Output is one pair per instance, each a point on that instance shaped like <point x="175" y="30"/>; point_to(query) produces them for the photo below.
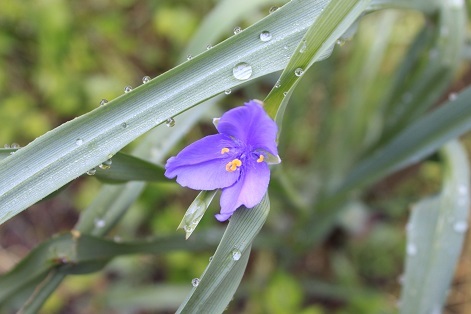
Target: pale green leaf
<point x="435" y="236"/>
<point x="223" y="274"/>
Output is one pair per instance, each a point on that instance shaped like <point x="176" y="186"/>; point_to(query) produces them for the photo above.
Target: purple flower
<point x="235" y="160"/>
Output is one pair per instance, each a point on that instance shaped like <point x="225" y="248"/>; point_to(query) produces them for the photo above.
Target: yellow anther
<point x="232" y="166"/>
<point x="261" y="158"/>
<point x="224" y="150"/>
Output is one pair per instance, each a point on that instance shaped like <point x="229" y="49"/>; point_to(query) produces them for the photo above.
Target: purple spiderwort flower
<point x="235" y="160"/>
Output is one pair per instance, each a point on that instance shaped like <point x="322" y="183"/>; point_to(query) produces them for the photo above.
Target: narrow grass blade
<point x="427" y="69"/>
<point x="196" y="211"/>
<point x="417" y="141"/>
<point x="435" y="236"/>
<point x="322" y="35"/>
<point x="222" y="276"/>
<point x="126" y="167"/>
<point x="77" y="253"/>
<point x="127" y="298"/>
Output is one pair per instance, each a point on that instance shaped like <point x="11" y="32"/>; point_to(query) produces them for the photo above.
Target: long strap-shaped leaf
<point x="417" y="141"/>
<point x="76" y="253"/>
<point x="70" y="150"/>
<point x="223" y="274"/>
<point x="435" y="238"/>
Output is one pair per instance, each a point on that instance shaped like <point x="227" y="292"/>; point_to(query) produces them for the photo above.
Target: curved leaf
<point x="435" y="236"/>
<point x="126" y="167"/>
<point x="223" y="274"/>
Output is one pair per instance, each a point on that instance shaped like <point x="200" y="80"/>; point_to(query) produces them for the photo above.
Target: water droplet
<point x="170" y="122"/>
<point x="265" y="36"/>
<point x="227" y="91"/>
<point x="298" y="72"/>
<point x="273" y="9"/>
<point x="127" y="89"/>
<point x="242" y="71"/>
<point x="15" y="145"/>
<point x="209" y="47"/>
<point x="452" y="96"/>
<point x="285" y="93"/>
<point x="285" y="47"/>
<point x="341" y="42"/>
<point x="100" y="223"/>
<point x="124" y="125"/>
<point x="460" y="226"/>
<point x="146" y="79"/>
<point x="106" y="165"/>
<point x="303" y="46"/>
<point x="6" y="146"/>
<point x="237" y="30"/>
<point x="103" y="102"/>
<point x="236" y="254"/>
<point x="91" y="172"/>
<point x="211" y="258"/>
<point x="411" y="249"/>
<point x="78" y="141"/>
<point x="189" y="57"/>
<point x="195" y="282"/>
<point x="277" y="84"/>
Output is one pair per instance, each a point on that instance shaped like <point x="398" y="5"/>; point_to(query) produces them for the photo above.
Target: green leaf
<point x="196" y="211"/>
<point x="127" y="298"/>
<point x="125" y="168"/>
<point x="77" y="146"/>
<point x="223" y="274"/>
<point x="77" y="253"/>
<point x="318" y="42"/>
<point x="417" y="141"/>
<point x="414" y="143"/>
<point x="427" y="70"/>
<point x="435" y="236"/>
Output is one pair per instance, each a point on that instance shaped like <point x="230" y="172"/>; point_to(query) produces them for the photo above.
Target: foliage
<point x="364" y="97"/>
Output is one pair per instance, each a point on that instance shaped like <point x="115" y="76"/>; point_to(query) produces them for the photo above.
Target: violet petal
<point x="206" y="149"/>
<point x="248" y="191"/>
<point x="251" y="125"/>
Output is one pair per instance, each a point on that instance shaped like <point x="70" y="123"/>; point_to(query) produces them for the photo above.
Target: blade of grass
<point x="77" y="253"/>
<point x="321" y="36"/>
<point x="435" y="236"/>
<point x="126" y="167"/>
<point x="222" y="276"/>
<point x="416" y="142"/>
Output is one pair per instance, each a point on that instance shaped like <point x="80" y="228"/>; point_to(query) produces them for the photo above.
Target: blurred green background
<point x="59" y="58"/>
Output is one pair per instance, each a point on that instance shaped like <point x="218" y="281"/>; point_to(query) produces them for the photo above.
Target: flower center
<point x="232" y="166"/>
<point x="261" y="158"/>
